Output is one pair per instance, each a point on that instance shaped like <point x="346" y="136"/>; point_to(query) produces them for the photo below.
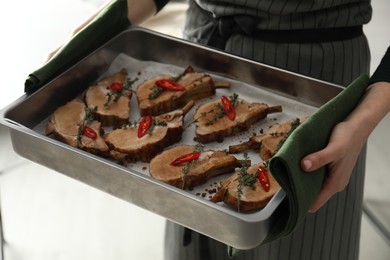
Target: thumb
<point x="319" y="159"/>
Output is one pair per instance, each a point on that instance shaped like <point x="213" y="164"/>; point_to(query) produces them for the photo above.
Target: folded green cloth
<point x="301" y="187"/>
<point x="111" y="21"/>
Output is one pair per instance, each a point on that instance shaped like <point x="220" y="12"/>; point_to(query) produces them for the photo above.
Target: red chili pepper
<point x="116" y="86"/>
<point x="144" y="126"/>
<point x="89" y="132"/>
<point x="228" y="107"/>
<point x="263" y="178"/>
<point x="169" y="85"/>
<point x="186" y="158"/>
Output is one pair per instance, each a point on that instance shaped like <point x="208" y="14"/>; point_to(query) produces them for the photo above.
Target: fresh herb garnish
<point x="186" y="168"/>
<point x="294" y="125"/>
<point x="218" y="111"/>
<point x="234" y="99"/>
<point x="155" y="123"/>
<point x="244" y="178"/>
<point x="156" y="90"/>
<point x="115" y="95"/>
<point x="88" y="117"/>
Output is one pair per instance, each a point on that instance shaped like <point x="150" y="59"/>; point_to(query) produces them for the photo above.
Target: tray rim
<point x="17" y="128"/>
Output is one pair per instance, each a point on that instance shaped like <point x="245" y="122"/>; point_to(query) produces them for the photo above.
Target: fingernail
<point x="307" y="164"/>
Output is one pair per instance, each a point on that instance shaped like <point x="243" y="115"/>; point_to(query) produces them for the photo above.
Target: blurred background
<point x="47" y="215"/>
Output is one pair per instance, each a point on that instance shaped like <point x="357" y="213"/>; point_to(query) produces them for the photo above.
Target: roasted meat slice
<point x="246" y="193"/>
<point x="268" y="143"/>
<point x="111" y="97"/>
<point x="67" y="124"/>
<point x="155" y="100"/>
<point x="190" y="173"/>
<point x="158" y="132"/>
<point x="213" y="124"/>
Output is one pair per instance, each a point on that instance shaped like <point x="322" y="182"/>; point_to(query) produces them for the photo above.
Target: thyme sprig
<point x="197" y="148"/>
<point x="244" y="178"/>
<point x="157" y="91"/>
<point x="234" y="99"/>
<point x="294" y="124"/>
<point x="277" y="134"/>
<point x="178" y="77"/>
<point x="116" y="95"/>
<point x="218" y="111"/>
<point x="186" y="168"/>
<point x="88" y="118"/>
<point x="156" y="122"/>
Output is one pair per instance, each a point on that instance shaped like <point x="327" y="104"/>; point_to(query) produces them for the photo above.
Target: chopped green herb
<point x="244" y="178"/>
<point x="88" y="117"/>
<point x="186" y="168"/>
<point x="294" y="125"/>
<point x="156" y="91"/>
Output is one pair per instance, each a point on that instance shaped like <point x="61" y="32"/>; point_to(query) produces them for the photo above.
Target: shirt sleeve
<point x="382" y="73"/>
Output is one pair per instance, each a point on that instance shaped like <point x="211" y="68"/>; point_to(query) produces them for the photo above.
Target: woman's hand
<point x="346" y="142"/>
<point x="138" y="12"/>
<point x="340" y="155"/>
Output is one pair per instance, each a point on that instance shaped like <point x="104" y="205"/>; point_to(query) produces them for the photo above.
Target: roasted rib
<point x="213" y="125"/>
<point x="111" y="97"/>
<point x="243" y="197"/>
<point x="208" y="165"/>
<point x="66" y="125"/>
<point x="153" y="100"/>
<point x="166" y="130"/>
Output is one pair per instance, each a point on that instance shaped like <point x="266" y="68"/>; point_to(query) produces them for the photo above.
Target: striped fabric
<point x="339" y="62"/>
<point x="334" y="231"/>
<point x="294" y="14"/>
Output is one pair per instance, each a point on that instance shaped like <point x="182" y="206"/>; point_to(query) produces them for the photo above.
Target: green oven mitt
<point x="312" y="135"/>
<point x="111" y="21"/>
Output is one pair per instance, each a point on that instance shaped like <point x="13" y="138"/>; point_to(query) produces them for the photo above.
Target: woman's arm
<point x="138" y="12"/>
<point x="349" y="136"/>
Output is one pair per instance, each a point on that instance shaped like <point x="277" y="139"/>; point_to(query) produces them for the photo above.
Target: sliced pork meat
<point x="72" y="124"/>
<point x="111" y="98"/>
<point x="165" y="93"/>
<point x="268" y="143"/>
<point x="149" y="136"/>
<point x="190" y="173"/>
<point x="213" y="123"/>
<point x="246" y="194"/>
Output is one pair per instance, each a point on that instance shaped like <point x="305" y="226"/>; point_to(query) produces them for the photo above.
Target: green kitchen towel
<point x="312" y="135"/>
<point x="301" y="187"/>
<point x="111" y="21"/>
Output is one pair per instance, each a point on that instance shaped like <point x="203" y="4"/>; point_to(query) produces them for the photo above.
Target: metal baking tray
<point x="140" y="49"/>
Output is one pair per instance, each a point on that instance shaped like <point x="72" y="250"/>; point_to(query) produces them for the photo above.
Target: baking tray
<point x="140" y="49"/>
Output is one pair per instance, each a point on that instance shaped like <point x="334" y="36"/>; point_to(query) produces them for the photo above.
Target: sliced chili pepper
<point x="228" y="107"/>
<point x="186" y="158"/>
<point x="169" y="85"/>
<point x="144" y="125"/>
<point x="89" y="132"/>
<point x="116" y="86"/>
<point x="263" y="178"/>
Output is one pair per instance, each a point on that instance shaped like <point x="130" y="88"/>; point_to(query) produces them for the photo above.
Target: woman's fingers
<point x="339" y="156"/>
<point x="321" y="158"/>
